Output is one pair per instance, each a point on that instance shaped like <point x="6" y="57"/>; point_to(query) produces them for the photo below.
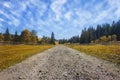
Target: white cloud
<point x="10" y="23"/>
<point x="7" y="4"/>
<point x="68" y="15"/>
<point x="83" y="17"/>
<point x="56" y="7"/>
<point x="98" y="13"/>
<point x="117" y="12"/>
<point x="15" y="13"/>
<point x="1" y="20"/>
<point x="100" y="16"/>
<point x="111" y="13"/>
<point x="3" y="13"/>
<point x="60" y="16"/>
<point x="115" y="4"/>
<point x="41" y="9"/>
<point x="14" y="21"/>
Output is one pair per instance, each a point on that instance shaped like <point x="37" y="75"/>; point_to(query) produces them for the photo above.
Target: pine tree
<point x="7" y="35"/>
<point x="16" y="37"/>
<point x="104" y="31"/>
<point x="52" y="39"/>
<point x="33" y="33"/>
<point x="118" y="30"/>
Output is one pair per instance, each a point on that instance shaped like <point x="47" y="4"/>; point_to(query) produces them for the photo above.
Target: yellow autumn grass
<point x="12" y="54"/>
<point x="107" y="52"/>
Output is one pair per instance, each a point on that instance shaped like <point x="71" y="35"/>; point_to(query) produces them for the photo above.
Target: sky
<point x="65" y="18"/>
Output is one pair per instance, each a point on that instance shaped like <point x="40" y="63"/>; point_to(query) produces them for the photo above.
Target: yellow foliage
<point x="56" y="42"/>
<point x="104" y="39"/>
<point x="25" y="36"/>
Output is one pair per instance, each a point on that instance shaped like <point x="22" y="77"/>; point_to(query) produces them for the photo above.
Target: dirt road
<point x="61" y="63"/>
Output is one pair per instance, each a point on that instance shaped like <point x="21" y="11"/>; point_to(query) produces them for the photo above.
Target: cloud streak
<point x="64" y="17"/>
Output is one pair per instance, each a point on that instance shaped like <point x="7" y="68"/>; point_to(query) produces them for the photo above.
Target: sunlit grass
<point x="107" y="52"/>
<point x="10" y="55"/>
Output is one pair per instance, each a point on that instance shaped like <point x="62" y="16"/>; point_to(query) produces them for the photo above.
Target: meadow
<point x="12" y="54"/>
<point x="107" y="52"/>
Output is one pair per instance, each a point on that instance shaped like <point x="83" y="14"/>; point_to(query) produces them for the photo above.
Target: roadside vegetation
<point x="27" y="43"/>
<point x="107" y="52"/>
<point x="102" y="41"/>
<point x="15" y="48"/>
<point x="26" y="37"/>
<point x="12" y="54"/>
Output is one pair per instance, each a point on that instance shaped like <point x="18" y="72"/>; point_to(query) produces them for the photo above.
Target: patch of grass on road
<point x="107" y="52"/>
<point x="12" y="54"/>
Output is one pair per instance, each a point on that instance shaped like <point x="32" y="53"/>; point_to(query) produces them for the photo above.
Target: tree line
<point x="105" y="33"/>
<point x="26" y="37"/>
<point x="102" y="33"/>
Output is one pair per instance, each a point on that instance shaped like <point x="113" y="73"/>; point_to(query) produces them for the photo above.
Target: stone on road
<point x="61" y="63"/>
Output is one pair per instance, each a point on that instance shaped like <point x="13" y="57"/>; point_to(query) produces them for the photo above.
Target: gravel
<point x="62" y="63"/>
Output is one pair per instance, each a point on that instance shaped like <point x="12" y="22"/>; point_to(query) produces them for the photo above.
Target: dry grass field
<point x="12" y="54"/>
<point x="107" y="52"/>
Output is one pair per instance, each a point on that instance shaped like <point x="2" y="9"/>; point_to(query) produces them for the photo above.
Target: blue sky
<point x="63" y="17"/>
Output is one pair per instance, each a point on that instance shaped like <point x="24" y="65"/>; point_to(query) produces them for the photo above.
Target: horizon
<point x="66" y="18"/>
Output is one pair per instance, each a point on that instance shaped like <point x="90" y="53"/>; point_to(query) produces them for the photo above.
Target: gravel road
<point x="61" y="63"/>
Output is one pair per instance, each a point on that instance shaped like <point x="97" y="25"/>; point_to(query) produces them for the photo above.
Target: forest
<point x="100" y="34"/>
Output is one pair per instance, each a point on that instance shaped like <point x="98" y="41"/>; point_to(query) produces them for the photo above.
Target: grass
<point x="110" y="53"/>
<point x="12" y="54"/>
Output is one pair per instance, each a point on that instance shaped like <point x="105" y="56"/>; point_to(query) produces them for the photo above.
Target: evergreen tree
<point x="82" y="38"/>
<point x="105" y="31"/>
<point x="63" y="41"/>
<point x="33" y="33"/>
<point x="7" y="35"/>
<point x="118" y="30"/>
<point x="52" y="39"/>
<point x="74" y="39"/>
<point x="98" y="31"/>
<point x="16" y="37"/>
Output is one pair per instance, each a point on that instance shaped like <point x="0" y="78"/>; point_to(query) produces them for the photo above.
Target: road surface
<point x="61" y="63"/>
